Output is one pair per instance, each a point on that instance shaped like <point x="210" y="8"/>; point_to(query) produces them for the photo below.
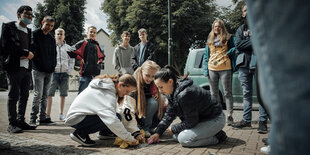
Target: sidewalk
<point x="55" y="139"/>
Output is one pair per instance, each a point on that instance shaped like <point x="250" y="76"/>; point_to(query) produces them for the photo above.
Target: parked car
<point x="193" y="66"/>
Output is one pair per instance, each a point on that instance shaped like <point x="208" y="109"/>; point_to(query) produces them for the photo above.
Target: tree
<point x="68" y="15"/>
<point x="191" y="23"/>
<point x="232" y="17"/>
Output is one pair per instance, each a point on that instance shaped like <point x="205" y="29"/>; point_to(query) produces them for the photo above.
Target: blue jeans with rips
<point x="246" y="80"/>
<point x="42" y="83"/>
<point x="280" y="40"/>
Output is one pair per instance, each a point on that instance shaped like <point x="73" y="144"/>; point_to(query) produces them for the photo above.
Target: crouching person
<point x="94" y="109"/>
<point x="202" y="117"/>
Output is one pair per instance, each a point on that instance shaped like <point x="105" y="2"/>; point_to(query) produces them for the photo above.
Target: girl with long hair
<point x="218" y="64"/>
<point x="149" y="100"/>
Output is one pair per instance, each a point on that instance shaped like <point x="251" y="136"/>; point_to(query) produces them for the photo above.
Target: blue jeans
<point x="84" y="81"/>
<point x="42" y="82"/>
<point x="281" y="44"/>
<point x="246" y="80"/>
<point x="60" y="80"/>
<point x="226" y="81"/>
<point x="151" y="109"/>
<point x="202" y="134"/>
<point x="19" y="90"/>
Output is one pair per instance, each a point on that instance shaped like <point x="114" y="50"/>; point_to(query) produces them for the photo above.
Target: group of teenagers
<point x="142" y="96"/>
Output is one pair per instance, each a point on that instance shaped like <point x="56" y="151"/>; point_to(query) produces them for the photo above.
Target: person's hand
<point x="153" y="139"/>
<point x="82" y="61"/>
<point x="30" y="55"/>
<point x="170" y="131"/>
<point x="155" y="96"/>
<point x="140" y="138"/>
<point x="98" y="62"/>
<point x="134" y="143"/>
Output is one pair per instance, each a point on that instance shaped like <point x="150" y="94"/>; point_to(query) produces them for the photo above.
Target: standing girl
<point x="202" y="118"/>
<point x="217" y="64"/>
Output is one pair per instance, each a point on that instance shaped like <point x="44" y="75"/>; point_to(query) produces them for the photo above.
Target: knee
<point x="186" y="139"/>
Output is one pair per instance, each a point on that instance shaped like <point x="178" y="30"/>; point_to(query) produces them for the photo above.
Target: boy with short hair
<point x="91" y="56"/>
<point x="15" y="47"/>
<point x="63" y="68"/>
<point x="122" y="54"/>
<point x="44" y="64"/>
<point x="145" y="50"/>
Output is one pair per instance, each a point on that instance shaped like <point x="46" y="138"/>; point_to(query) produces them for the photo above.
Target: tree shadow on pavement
<point x="47" y="149"/>
<point x="62" y="131"/>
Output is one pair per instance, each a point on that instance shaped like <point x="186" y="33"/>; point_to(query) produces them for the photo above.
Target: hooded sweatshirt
<point x="99" y="98"/>
<point x="122" y="59"/>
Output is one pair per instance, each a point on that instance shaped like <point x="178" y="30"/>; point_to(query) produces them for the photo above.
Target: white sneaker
<point x="265" y="149"/>
<point x="61" y="117"/>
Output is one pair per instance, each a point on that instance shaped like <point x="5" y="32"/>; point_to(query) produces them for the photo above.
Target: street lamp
<point x="170" y="53"/>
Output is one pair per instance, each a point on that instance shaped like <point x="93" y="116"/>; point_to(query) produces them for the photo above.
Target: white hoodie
<point x="99" y="98"/>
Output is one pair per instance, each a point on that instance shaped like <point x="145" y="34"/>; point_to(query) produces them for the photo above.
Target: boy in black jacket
<point x="15" y="50"/>
<point x="44" y="64"/>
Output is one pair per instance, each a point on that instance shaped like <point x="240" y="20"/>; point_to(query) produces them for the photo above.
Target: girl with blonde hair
<point x="149" y="100"/>
<point x="219" y="63"/>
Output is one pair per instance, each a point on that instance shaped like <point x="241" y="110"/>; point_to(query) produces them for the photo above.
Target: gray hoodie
<point x="122" y="59"/>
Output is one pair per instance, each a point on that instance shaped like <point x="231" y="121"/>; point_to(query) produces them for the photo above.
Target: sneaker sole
<point x="105" y="137"/>
<point x="262" y="132"/>
<point x="47" y="123"/>
<point x="79" y="141"/>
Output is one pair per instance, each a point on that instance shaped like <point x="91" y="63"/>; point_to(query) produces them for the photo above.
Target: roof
<point x="103" y="32"/>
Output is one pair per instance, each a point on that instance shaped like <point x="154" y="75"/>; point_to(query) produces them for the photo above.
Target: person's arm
<point x="152" y="52"/>
<point x="115" y="61"/>
<point x="134" y="60"/>
<point x="109" y="118"/>
<point x="205" y="61"/>
<point x="190" y="112"/>
<point x="168" y="118"/>
<point x="242" y="44"/>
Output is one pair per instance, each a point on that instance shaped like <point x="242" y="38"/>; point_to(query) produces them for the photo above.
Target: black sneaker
<point x="14" y="129"/>
<point x="221" y="136"/>
<point x="46" y="121"/>
<point x="265" y="141"/>
<point x="24" y="126"/>
<point x="32" y="123"/>
<point x="242" y="124"/>
<point x="262" y="127"/>
<point x="230" y="120"/>
<point x="103" y="136"/>
<point x="85" y="141"/>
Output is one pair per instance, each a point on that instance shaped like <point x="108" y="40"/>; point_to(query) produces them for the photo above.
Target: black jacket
<point x="243" y="45"/>
<point x="44" y="51"/>
<point x="192" y="104"/>
<point x="11" y="49"/>
<point x="149" y="54"/>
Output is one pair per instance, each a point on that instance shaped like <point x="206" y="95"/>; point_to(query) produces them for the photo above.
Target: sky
<point x="94" y="16"/>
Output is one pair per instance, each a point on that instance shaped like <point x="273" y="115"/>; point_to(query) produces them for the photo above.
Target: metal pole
<point x="170" y="53"/>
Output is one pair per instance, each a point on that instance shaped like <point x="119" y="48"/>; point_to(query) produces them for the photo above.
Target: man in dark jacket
<point x="145" y="50"/>
<point x="15" y="50"/>
<point x="44" y="64"/>
<point x="246" y="75"/>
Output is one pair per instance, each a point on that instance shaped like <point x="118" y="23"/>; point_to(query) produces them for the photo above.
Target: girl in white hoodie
<point x="94" y="109"/>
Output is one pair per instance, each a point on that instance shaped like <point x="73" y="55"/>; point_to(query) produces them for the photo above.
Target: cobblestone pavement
<point x="55" y="139"/>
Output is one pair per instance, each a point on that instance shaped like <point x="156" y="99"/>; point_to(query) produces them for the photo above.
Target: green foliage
<point x="232" y="18"/>
<point x="68" y="14"/>
<point x="191" y="23"/>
